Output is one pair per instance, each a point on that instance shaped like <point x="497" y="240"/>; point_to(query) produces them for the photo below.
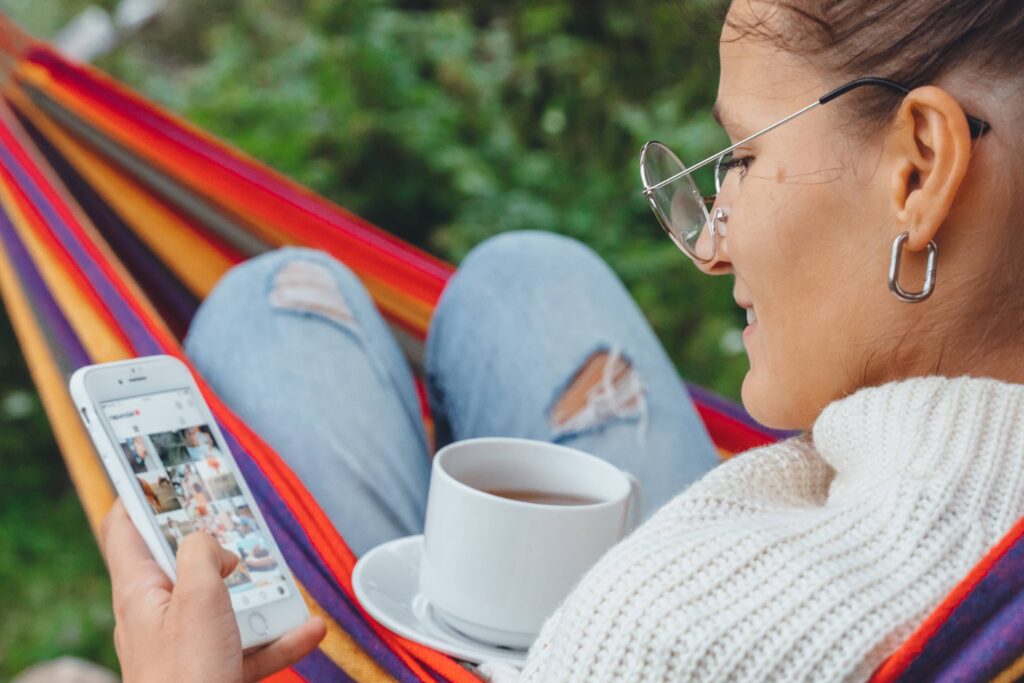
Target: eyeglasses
<point x="679" y="205"/>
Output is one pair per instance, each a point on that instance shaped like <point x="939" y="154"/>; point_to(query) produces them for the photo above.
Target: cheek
<point x="792" y="262"/>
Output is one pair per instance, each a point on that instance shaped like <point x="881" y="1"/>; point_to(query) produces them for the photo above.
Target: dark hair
<point x="912" y="42"/>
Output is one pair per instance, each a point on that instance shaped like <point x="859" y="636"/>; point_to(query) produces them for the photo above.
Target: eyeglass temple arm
<point x="705" y="162"/>
<point x="977" y="127"/>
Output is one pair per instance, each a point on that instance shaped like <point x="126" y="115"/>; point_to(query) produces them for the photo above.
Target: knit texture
<point x="811" y="559"/>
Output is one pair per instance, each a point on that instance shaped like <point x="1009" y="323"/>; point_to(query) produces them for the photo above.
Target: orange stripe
<point x="57" y="266"/>
<point x="1012" y="673"/>
<point x="900" y="660"/>
<point x="392" y="292"/>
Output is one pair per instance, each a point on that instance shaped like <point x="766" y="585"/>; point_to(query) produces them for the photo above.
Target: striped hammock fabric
<point x="116" y="220"/>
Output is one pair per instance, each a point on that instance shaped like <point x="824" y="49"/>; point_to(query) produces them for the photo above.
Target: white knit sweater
<point x="811" y="559"/>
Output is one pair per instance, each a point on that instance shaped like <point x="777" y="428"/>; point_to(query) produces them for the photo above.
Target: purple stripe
<point x="310" y="569"/>
<point x="968" y="622"/>
<point x="735" y="411"/>
<point x="47" y="311"/>
<point x="994" y="648"/>
<point x="317" y="666"/>
<point x="141" y="339"/>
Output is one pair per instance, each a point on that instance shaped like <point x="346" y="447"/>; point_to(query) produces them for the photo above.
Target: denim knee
<point x="515" y="272"/>
<point x="516" y="283"/>
<point x="542" y="255"/>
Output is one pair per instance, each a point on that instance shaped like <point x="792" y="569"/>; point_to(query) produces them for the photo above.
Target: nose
<point x="720" y="263"/>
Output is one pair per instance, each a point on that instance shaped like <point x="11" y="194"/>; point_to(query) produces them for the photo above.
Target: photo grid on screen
<point x="190" y="486"/>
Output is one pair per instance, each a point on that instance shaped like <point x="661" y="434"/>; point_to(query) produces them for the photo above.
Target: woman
<point x="810" y="559"/>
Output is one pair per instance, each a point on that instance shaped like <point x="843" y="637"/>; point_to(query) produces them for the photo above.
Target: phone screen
<point x="190" y="485"/>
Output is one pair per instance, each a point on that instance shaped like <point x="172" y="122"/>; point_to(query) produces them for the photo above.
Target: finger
<point x="285" y="651"/>
<point x="128" y="558"/>
<point x="203" y="563"/>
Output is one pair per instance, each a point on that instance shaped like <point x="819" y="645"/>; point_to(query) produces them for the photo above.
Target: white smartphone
<point x="172" y="468"/>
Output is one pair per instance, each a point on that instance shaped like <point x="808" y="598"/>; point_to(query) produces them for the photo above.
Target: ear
<point x="930" y="144"/>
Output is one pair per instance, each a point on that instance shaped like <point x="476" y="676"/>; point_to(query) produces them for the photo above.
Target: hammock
<point x="116" y="219"/>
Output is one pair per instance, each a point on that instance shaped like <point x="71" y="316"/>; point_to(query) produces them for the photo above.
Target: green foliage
<point x="446" y="122"/>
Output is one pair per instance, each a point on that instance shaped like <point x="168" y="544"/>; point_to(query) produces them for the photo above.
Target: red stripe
<point x="899" y="661"/>
<point x="729" y="433"/>
<point x="285" y="676"/>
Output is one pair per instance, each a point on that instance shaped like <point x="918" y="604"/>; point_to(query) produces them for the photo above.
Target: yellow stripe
<point x="399" y="304"/>
<point x="342" y="650"/>
<point x="87" y="475"/>
<point x="193" y="261"/>
<point x="1012" y="673"/>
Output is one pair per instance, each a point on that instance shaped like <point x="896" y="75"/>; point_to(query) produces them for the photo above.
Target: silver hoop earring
<point x="894" y="271"/>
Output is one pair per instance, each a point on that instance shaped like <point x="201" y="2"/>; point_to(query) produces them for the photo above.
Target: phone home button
<point x="258" y="624"/>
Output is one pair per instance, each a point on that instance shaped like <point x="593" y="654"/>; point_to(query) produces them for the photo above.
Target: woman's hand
<point x="187" y="631"/>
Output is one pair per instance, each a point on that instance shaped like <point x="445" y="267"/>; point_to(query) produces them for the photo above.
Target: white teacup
<point x="496" y="567"/>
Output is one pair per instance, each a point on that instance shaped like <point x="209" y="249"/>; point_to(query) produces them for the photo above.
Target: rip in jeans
<point x="310" y="287"/>
<point x="305" y="287"/>
<point x="604" y="388"/>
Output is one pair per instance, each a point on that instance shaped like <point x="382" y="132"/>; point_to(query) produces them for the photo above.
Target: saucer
<point x="386" y="583"/>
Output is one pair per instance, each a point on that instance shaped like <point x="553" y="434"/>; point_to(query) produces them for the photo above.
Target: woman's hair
<point x="912" y="42"/>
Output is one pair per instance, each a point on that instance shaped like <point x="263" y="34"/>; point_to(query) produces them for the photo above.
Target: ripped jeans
<point x="533" y="337"/>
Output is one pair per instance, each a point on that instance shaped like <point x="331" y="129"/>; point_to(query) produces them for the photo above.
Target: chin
<point x="765" y="401"/>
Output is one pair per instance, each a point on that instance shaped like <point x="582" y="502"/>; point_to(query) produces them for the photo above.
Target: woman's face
<point x="809" y="232"/>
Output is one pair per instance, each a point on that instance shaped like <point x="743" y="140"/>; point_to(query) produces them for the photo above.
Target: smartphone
<point x="172" y="468"/>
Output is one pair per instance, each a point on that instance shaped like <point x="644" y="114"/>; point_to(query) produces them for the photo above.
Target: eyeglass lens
<point x="679" y="205"/>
